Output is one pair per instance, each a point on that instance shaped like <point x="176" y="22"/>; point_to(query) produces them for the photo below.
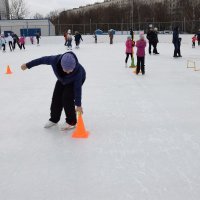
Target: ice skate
<point x="49" y="124"/>
<point x="65" y="126"/>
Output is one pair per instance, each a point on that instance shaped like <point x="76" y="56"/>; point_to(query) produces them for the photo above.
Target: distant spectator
<point x="194" y="38"/>
<point x="198" y="37"/>
<point x="111" y="35"/>
<point x="37" y="35"/>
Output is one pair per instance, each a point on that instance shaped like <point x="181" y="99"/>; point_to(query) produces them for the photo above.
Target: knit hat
<point x="141" y="35"/>
<point x="68" y="61"/>
<point x="129" y="37"/>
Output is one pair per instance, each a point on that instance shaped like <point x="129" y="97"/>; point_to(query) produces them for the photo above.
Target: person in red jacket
<point x="194" y="38"/>
<point x="129" y="49"/>
<point x="141" y="45"/>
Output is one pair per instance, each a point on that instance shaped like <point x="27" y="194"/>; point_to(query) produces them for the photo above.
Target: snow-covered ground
<point x="144" y="141"/>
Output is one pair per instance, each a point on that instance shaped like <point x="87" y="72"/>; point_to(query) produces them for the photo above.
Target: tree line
<point x="134" y="13"/>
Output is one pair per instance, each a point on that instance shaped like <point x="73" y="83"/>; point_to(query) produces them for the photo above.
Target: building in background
<point x="4" y="9"/>
<point x="28" y="27"/>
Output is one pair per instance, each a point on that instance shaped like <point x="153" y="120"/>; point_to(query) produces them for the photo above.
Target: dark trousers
<point x="4" y="47"/>
<point x="154" y="45"/>
<point x="38" y="41"/>
<point x="177" y="49"/>
<point x="69" y="43"/>
<point x="77" y="42"/>
<point x="127" y="56"/>
<point x="14" y="44"/>
<point x="111" y="40"/>
<point x="140" y="65"/>
<point x="63" y="97"/>
<point x="193" y="44"/>
<point x="199" y="42"/>
<point x="150" y="44"/>
<point x="10" y="45"/>
<point x="22" y="45"/>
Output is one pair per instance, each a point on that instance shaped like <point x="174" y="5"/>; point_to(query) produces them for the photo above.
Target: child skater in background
<point x="95" y="38"/>
<point x="31" y="39"/>
<point x="68" y="88"/>
<point x="22" y="42"/>
<point x="141" y="44"/>
<point x="3" y="42"/>
<point x="194" y="38"/>
<point x="10" y="41"/>
<point x="78" y="39"/>
<point x="129" y="49"/>
<point x="69" y="40"/>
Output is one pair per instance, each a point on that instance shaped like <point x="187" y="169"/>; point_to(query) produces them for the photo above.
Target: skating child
<point x="194" y="38"/>
<point x="95" y="38"/>
<point x="31" y="39"/>
<point x="22" y="42"/>
<point x="68" y="89"/>
<point x="3" y="42"/>
<point x="141" y="44"/>
<point x="179" y="47"/>
<point x="15" y="41"/>
<point x="65" y="37"/>
<point x="78" y="39"/>
<point x="129" y="49"/>
<point x="69" y="40"/>
<point x="10" y="41"/>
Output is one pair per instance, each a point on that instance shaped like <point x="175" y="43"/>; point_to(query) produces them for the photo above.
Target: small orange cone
<point x="80" y="131"/>
<point x="8" y="71"/>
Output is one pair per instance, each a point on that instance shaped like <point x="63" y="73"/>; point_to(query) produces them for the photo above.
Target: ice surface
<point x="144" y="141"/>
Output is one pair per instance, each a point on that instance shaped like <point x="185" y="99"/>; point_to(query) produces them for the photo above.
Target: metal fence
<point x="184" y="26"/>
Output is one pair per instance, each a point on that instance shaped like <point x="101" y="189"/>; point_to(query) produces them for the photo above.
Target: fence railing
<point x="184" y="26"/>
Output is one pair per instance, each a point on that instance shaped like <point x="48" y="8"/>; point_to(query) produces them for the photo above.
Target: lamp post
<point x="90" y="25"/>
<point x="131" y="14"/>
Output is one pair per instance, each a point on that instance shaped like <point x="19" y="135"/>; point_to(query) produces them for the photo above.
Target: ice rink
<point x="144" y="141"/>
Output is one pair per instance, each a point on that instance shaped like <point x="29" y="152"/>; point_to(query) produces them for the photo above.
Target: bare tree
<point x="53" y="15"/>
<point x="18" y="9"/>
<point x="38" y="16"/>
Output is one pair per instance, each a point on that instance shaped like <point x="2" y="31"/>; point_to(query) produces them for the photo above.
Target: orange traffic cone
<point x="80" y="131"/>
<point x="8" y="71"/>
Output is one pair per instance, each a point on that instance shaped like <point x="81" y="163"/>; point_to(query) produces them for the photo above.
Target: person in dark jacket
<point x="78" y="39"/>
<point x="132" y="34"/>
<point x="111" y="36"/>
<point x="198" y="37"/>
<point x="37" y="35"/>
<point x="15" y="41"/>
<point x="153" y="40"/>
<point x="177" y="42"/>
<point x="68" y="88"/>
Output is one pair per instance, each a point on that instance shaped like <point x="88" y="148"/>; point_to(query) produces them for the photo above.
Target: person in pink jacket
<point x="22" y="42"/>
<point x="140" y="44"/>
<point x="129" y="49"/>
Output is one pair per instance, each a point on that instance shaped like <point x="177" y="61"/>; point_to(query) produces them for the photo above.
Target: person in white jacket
<point x="3" y="42"/>
<point x="10" y="41"/>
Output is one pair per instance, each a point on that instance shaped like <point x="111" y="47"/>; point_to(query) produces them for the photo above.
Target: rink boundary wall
<point x="89" y="39"/>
